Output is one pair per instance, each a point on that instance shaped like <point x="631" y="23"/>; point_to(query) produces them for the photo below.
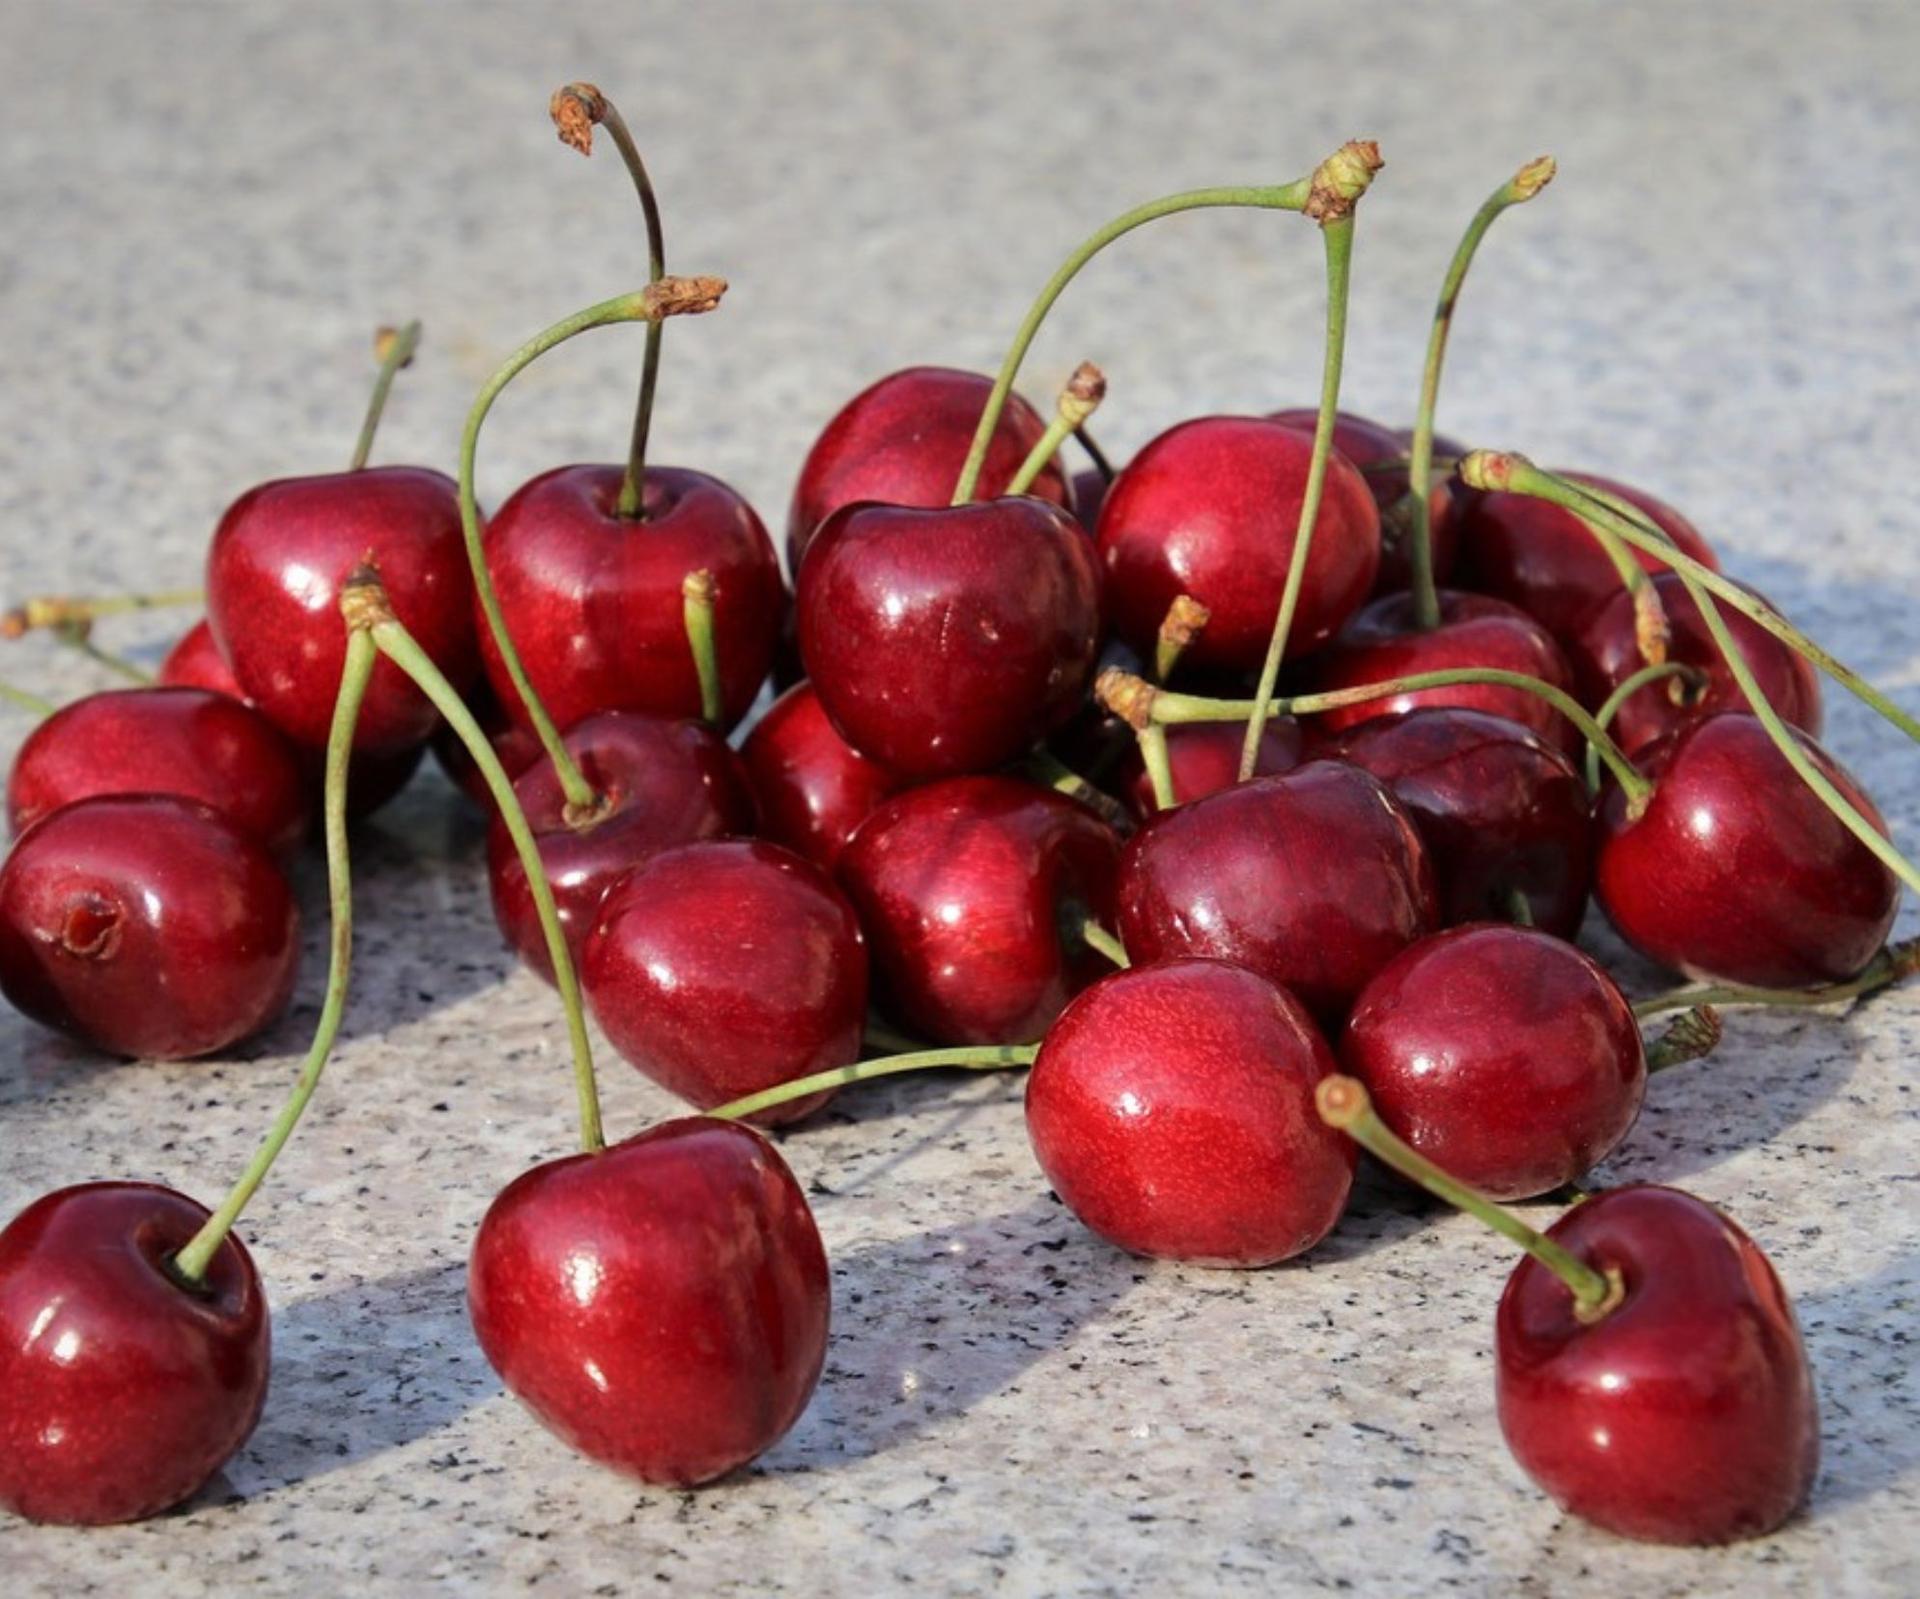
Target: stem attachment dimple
<point x="1081" y="397"/>
<point x="393" y="348"/>
<point x="972" y="1057"/>
<point x="696" y="607"/>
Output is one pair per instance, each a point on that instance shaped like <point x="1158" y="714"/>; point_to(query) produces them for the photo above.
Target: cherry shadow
<point x="1858" y="1339"/>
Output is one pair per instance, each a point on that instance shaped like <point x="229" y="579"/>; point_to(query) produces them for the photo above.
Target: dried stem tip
<point x="679" y="297"/>
<point x="1083" y="394"/>
<point x="1185" y="617"/>
<point x="1341" y="179"/>
<point x="1491" y="470"/>
<point x="1341" y="1101"/>
<point x="1532" y="178"/>
<point x="575" y="110"/>
<point x="1651" y="631"/>
<point x="698" y="587"/>
<point x="1129" y="697"/>
<point x="1690" y="1035"/>
<point x="384" y="339"/>
<point x="363" y="599"/>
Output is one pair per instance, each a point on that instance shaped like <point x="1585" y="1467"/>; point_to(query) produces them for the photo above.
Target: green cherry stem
<point x="1893" y="964"/>
<point x="696" y="609"/>
<point x="1085" y="389"/>
<point x="192" y="1261"/>
<point x="59" y="610"/>
<point x="1048" y="770"/>
<point x="1343" y="1103"/>
<point x="27" y="702"/>
<point x="1159" y="764"/>
<point x="972" y="1057"/>
<point x="393" y="347"/>
<point x="1689" y="677"/>
<point x="1521" y="187"/>
<point x="1689" y="1036"/>
<point x="1087" y="929"/>
<point x="79" y="636"/>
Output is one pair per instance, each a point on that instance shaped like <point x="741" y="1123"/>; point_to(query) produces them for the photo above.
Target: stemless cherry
<point x="723" y="968"/>
<point x="1205" y="758"/>
<point x="122" y="1387"/>
<point x="661" y="1304"/>
<point x="1171" y="1108"/>
<point x="813" y="787"/>
<point x="147" y="926"/>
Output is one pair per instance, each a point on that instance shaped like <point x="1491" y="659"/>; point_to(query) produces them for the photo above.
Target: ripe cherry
<point x="813" y="787"/>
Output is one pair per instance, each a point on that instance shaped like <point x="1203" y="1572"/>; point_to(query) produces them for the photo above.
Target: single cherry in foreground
<point x="813" y="787"/>
<point x="1171" y="1108"/>
<point x="122" y="1387"/>
<point x="661" y="1304"/>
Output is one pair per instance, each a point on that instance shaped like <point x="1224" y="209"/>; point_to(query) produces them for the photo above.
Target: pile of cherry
<point x="1186" y="786"/>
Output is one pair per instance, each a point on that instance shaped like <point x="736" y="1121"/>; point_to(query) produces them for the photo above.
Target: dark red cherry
<point x="1383" y="642"/>
<point x="661" y="783"/>
<point x="1171" y="1108"/>
<point x="902" y="442"/>
<point x="122" y="1387"/>
<point x="517" y="747"/>
<point x="813" y="787"/>
<point x="1089" y="494"/>
<point x="277" y="564"/>
<point x="1699" y="1368"/>
<point x="661" y="1305"/>
<point x="1315" y="879"/>
<point x="188" y="742"/>
<point x="593" y="600"/>
<point x="1502" y="814"/>
<point x="147" y="926"/>
<point x="1503" y="1054"/>
<point x="1540" y="557"/>
<point x="1209" y="509"/>
<point x="1205" y="758"/>
<point x="1606" y="652"/>
<point x="967" y="890"/>
<point x="949" y="640"/>
<point x="1738" y="871"/>
<point x="723" y="968"/>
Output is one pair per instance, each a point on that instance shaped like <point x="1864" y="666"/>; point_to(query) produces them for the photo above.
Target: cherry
<point x="813" y="787"/>
<point x="720" y="969"/>
<point x="195" y="661"/>
<point x="949" y="640"/>
<point x="902" y="441"/>
<point x="659" y="783"/>
<point x="1501" y="812"/>
<point x="147" y="926"/>
<point x="1501" y="1053"/>
<point x="1315" y="879"/>
<point x="1210" y="509"/>
<point x="517" y="746"/>
<point x="1171" y="1108"/>
<point x="123" y="1388"/>
<point x="662" y="1304"/>
<point x="182" y="741"/>
<point x="1205" y="758"/>
<point x="969" y="891"/>
<point x="1737" y="870"/>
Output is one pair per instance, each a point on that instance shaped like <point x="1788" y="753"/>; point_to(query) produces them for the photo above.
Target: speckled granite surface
<point x="208" y="207"/>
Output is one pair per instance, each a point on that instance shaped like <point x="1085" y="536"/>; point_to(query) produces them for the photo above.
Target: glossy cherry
<point x="661" y="1305"/>
<point x="1737" y="871"/>
<point x="1502" y="1053"/>
<point x="968" y="890"/>
<point x="723" y="968"/>
<point x="123" y="1388"/>
<point x="1315" y="879"/>
<point x="147" y="926"/>
<point x="1205" y="758"/>
<point x="660" y="783"/>
<point x="950" y="640"/>
<point x="902" y="441"/>
<point x="1171" y="1108"/>
<point x="813" y="787"/>
<point x="593" y="600"/>
<point x="1210" y="509"/>
<point x="189" y="742"/>
<point x="275" y="569"/>
<point x="1501" y="812"/>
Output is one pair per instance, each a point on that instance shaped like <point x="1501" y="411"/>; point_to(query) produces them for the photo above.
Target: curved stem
<point x="696" y="611"/>
<point x="1893" y="964"/>
<point x="395" y="349"/>
<point x="1287" y="197"/>
<point x="192" y="1261"/>
<point x="58" y="610"/>
<point x="1095" y="454"/>
<point x="1343" y="1103"/>
<point x="973" y="1058"/>
<point x="26" y="701"/>
<point x="1081" y="397"/>
<point x="1630" y="686"/>
<point x="1048" y="770"/>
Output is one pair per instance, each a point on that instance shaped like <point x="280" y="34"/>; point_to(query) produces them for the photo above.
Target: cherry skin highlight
<point x="1699" y="1368"/>
<point x="661" y="1305"/>
<point x="963" y="887"/>
<point x="813" y="787"/>
<point x="146" y="926"/>
<point x="1502" y="1054"/>
<point x="122" y="1387"/>
<point x="1171" y="1108"/>
<point x="723" y="968"/>
<point x="1205" y="758"/>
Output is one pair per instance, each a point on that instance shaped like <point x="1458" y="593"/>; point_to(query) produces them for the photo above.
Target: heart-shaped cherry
<point x="1171" y="1108"/>
<point x="813" y="787"/>
<point x="723" y="968"/>
<point x="662" y="1304"/>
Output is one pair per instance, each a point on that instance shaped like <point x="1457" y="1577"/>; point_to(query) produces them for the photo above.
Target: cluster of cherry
<point x="1250" y="934"/>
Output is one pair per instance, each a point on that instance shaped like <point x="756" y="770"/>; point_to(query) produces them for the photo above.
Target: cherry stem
<point x="1082" y="924"/>
<point x="1893" y="964"/>
<point x="1521" y="187"/>
<point x="394" y="349"/>
<point x="696" y="609"/>
<point x="1689" y="676"/>
<point x="1185" y="619"/>
<point x="669" y="297"/>
<point x="1505" y="471"/>
<point x="26" y="701"/>
<point x="79" y="636"/>
<point x="576" y="109"/>
<point x="1694" y="1033"/>
<point x="59" y="610"/>
<point x="400" y="647"/>
<point x="1343" y="1103"/>
<point x="192" y="1261"/>
<point x="1286" y="197"/>
<point x="972" y="1057"/>
<point x="1159" y="764"/>
<point x="1048" y="770"/>
<point x="1081" y="397"/>
<point x="1095" y="454"/>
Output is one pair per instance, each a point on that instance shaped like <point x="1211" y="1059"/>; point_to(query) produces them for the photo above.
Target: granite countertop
<point x="207" y="209"/>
